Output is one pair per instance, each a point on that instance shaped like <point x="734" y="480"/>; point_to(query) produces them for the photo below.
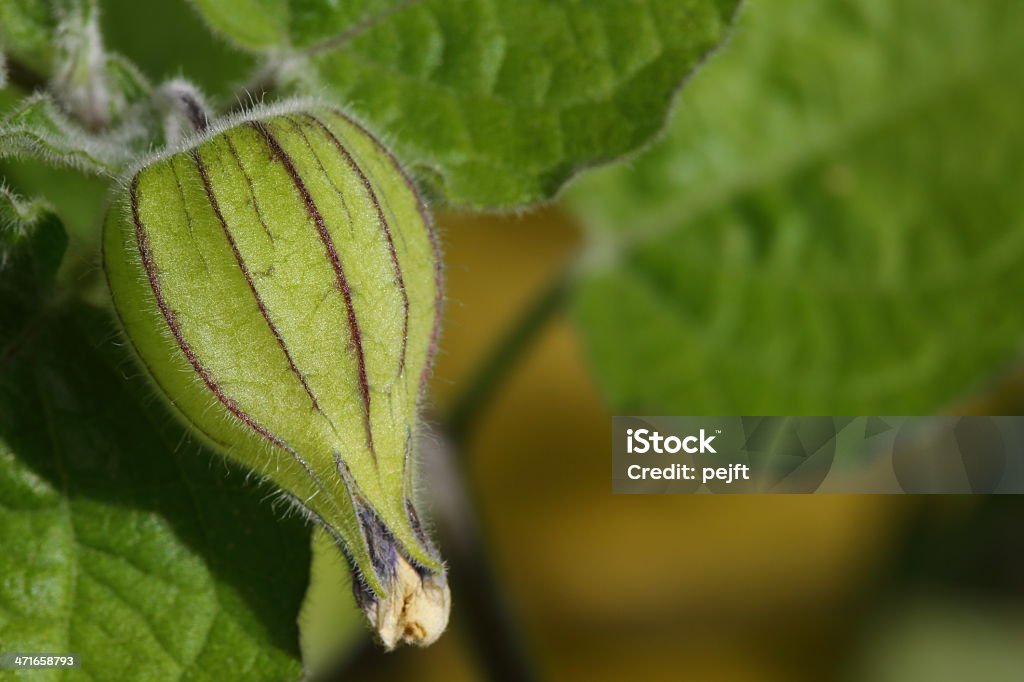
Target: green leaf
<point x="501" y="101"/>
<point x="833" y="226"/>
<point x="26" y="31"/>
<point x="252" y="24"/>
<point x="38" y="129"/>
<point x="147" y="556"/>
<point x="32" y="243"/>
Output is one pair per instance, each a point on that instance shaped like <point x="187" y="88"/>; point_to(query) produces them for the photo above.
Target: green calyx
<point x="279" y="279"/>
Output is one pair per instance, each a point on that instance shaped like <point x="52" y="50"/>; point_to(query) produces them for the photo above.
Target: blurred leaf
<point x="81" y="78"/>
<point x="26" y="31"/>
<point x="32" y="243"/>
<point x="934" y="640"/>
<point x="331" y="626"/>
<point x="38" y="129"/>
<point x="253" y="24"/>
<point x="147" y="556"/>
<point x="498" y="101"/>
<point x="833" y="226"/>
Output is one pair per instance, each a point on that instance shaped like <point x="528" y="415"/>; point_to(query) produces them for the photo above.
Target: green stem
<point x="506" y="354"/>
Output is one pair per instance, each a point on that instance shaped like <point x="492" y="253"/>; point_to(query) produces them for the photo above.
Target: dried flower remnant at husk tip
<point x="279" y="279"/>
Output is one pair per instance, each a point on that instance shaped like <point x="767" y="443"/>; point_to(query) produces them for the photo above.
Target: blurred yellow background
<point x="613" y="587"/>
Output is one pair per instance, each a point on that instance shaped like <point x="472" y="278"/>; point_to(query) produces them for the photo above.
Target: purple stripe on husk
<point x="355" y="335"/>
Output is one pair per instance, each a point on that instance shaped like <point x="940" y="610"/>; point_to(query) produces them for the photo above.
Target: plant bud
<point x="279" y="279"/>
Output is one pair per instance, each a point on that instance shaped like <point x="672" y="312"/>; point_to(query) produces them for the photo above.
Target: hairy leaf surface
<point x="498" y="102"/>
